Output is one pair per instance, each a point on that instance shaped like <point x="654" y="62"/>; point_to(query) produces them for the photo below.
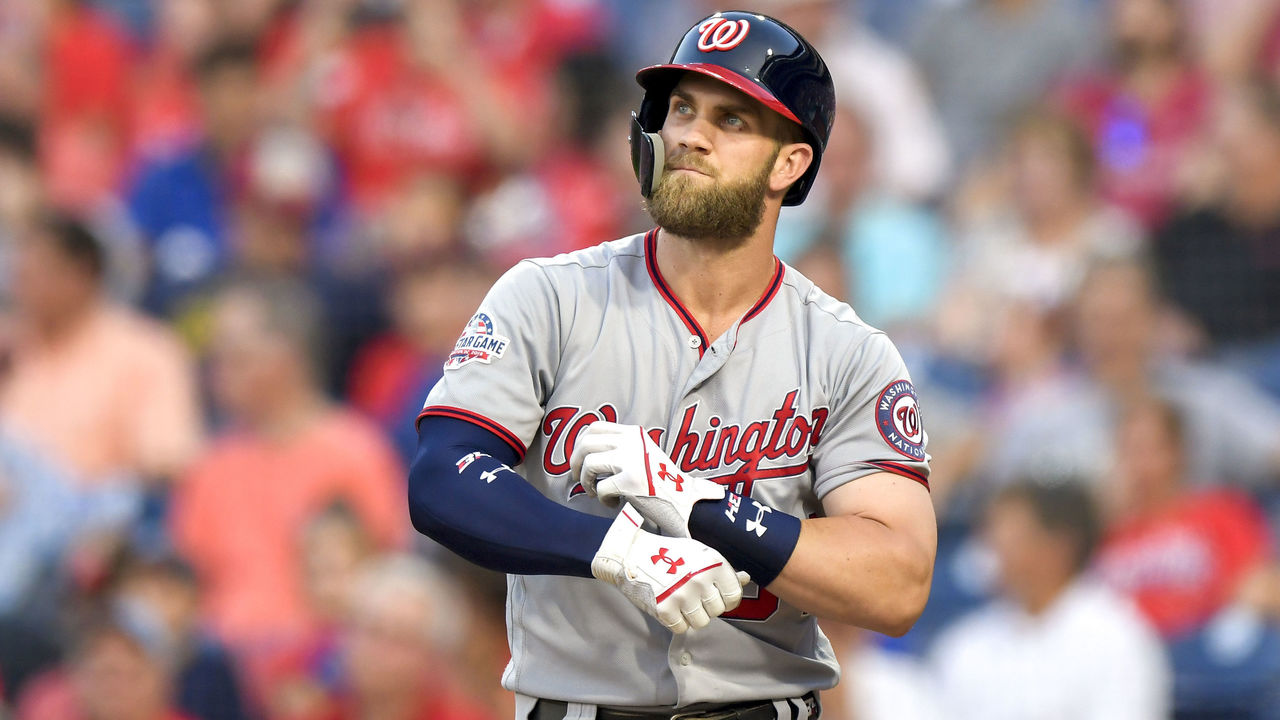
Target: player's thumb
<point x="600" y="465"/>
<point x="585" y="462"/>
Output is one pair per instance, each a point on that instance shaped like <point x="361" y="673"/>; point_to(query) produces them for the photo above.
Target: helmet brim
<point x="736" y="80"/>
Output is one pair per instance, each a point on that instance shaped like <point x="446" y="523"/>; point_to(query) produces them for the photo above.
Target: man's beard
<point x="720" y="213"/>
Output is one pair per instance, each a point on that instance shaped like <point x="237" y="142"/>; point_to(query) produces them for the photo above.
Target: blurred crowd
<point x="238" y="238"/>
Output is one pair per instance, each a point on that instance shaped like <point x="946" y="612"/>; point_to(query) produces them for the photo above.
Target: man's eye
<point x="733" y="121"/>
<point x="683" y="108"/>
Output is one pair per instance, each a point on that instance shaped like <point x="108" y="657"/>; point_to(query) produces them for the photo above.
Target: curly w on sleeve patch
<point x="478" y="343"/>
<point x="898" y="419"/>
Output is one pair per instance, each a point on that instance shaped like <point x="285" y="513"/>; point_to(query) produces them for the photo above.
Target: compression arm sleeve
<point x="464" y="495"/>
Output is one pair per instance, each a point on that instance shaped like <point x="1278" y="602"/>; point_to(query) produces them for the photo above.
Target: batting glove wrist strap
<point x="680" y="581"/>
<point x="751" y="535"/>
<point x="620" y="463"/>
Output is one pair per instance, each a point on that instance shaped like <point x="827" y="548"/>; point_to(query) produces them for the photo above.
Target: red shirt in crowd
<point x="1184" y="563"/>
<point x="240" y="511"/>
<point x="86" y="116"/>
<point x="1140" y="149"/>
<point x="389" y="120"/>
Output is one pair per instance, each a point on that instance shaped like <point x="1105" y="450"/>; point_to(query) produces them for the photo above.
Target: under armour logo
<point x="670" y="477"/>
<point x="757" y="526"/>
<point x="672" y="563"/>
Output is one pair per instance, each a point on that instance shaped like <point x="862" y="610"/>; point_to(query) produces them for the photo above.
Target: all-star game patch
<point x="898" y="419"/>
<point x="478" y="343"/>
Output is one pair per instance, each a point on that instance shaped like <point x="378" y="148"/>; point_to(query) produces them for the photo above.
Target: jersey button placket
<point x="695" y="342"/>
<point x="680" y="660"/>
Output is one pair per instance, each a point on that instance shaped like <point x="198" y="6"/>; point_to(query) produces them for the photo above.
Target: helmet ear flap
<point x="648" y="155"/>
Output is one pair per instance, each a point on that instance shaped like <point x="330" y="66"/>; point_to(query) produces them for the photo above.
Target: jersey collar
<point x="651" y="263"/>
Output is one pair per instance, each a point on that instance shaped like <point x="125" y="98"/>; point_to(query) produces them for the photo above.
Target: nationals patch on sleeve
<point x="898" y="419"/>
<point x="478" y="343"/>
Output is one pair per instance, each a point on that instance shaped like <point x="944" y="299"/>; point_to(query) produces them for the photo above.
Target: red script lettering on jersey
<point x="728" y="454"/>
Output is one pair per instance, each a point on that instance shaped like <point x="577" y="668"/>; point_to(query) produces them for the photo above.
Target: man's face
<point x="721" y="152"/>
<point x="47" y="285"/>
<point x="248" y="360"/>
<point x="1020" y="544"/>
<point x="116" y="680"/>
<point x="1151" y="464"/>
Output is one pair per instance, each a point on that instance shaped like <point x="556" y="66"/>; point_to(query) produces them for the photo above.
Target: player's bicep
<point x="899" y="503"/>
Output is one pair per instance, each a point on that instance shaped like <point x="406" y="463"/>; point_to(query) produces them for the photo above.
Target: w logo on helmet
<point x="718" y="33"/>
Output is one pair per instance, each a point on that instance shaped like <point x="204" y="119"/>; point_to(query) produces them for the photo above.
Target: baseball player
<point x="680" y="450"/>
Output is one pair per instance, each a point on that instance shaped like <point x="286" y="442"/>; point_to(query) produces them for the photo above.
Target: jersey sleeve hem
<point x="900" y="469"/>
<point x="869" y="467"/>
<point x="474" y="418"/>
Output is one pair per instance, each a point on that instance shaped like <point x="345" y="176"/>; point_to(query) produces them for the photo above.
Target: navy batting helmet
<point x="756" y="54"/>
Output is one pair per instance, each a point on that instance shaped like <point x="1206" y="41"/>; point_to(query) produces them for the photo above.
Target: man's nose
<point x="694" y="136"/>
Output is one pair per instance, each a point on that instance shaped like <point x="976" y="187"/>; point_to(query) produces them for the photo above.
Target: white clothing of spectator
<point x="1089" y="655"/>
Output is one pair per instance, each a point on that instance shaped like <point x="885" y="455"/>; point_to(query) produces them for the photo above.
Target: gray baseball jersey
<point x="796" y="399"/>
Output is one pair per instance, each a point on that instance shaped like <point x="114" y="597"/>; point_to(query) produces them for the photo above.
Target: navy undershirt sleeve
<point x="464" y="495"/>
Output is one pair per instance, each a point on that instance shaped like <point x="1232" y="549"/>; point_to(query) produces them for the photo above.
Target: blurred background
<point x="238" y="237"/>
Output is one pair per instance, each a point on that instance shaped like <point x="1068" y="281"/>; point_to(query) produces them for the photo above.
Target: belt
<point x="803" y="708"/>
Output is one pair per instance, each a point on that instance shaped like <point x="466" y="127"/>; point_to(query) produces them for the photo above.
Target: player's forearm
<point x="867" y="567"/>
<point x="463" y="495"/>
<point x="859" y="571"/>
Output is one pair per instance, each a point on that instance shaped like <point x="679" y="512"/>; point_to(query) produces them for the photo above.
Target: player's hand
<point x="621" y="463"/>
<point x="680" y="581"/>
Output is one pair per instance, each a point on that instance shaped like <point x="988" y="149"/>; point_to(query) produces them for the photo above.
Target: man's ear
<point x="792" y="162"/>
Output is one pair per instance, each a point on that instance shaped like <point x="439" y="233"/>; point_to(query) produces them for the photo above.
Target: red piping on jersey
<point x="667" y="593"/>
<point x="476" y="419"/>
<point x="769" y="292"/>
<point x="903" y="470"/>
<point x="651" y="262"/>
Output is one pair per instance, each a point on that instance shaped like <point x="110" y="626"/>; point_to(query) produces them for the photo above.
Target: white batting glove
<point x="680" y="581"/>
<point x="621" y="463"/>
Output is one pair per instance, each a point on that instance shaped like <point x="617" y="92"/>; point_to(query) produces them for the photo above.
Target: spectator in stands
<point x="166" y="100"/>
<point x="1033" y="232"/>
<point x="986" y="59"/>
<point x="45" y="516"/>
<point x="20" y="177"/>
<point x="1147" y="111"/>
<point x="1220" y="265"/>
<point x="1055" y="644"/>
<point x="160" y="592"/>
<point x="117" y="670"/>
<point x="391" y="375"/>
<point x="570" y="198"/>
<point x="1182" y="553"/>
<point x="286" y="454"/>
<point x="87" y="65"/>
<point x="407" y="621"/>
<point x="410" y="92"/>
<point x="307" y="682"/>
<point x="864" y="236"/>
<point x="1116" y="325"/>
<point x="130" y="381"/>
<point x="181" y="198"/>
<point x="1025" y="350"/>
<point x="909" y="158"/>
